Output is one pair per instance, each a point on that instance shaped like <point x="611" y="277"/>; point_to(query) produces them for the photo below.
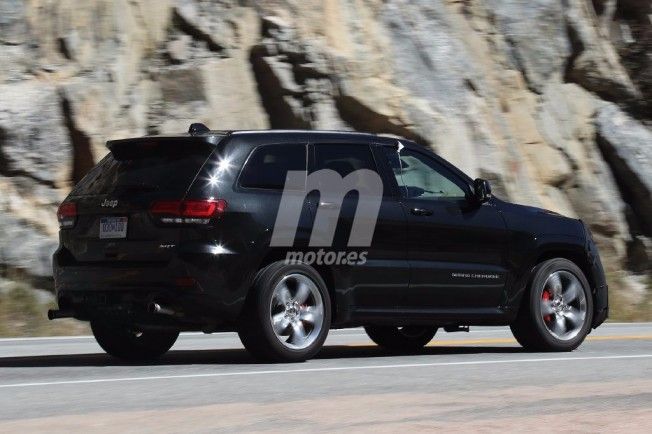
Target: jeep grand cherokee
<point x="173" y="233"/>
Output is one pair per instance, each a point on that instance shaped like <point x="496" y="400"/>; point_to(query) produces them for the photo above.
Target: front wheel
<point x="131" y="344"/>
<point x="557" y="311"/>
<point x="403" y="339"/>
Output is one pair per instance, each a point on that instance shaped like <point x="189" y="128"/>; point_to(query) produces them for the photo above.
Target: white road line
<point x="325" y="369"/>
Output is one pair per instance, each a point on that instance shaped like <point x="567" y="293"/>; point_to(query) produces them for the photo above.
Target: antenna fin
<point x="198" y="128"/>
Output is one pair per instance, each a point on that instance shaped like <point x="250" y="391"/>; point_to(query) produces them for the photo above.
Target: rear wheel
<point x="288" y="314"/>
<point x="131" y="344"/>
<point x="557" y="313"/>
<point x="404" y="339"/>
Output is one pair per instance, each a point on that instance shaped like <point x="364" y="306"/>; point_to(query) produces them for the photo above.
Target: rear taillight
<point x="187" y="211"/>
<point x="67" y="215"/>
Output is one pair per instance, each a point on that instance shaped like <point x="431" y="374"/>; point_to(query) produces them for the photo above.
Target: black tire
<point x="255" y="326"/>
<point x="530" y="329"/>
<point x="401" y="339"/>
<point x="128" y="344"/>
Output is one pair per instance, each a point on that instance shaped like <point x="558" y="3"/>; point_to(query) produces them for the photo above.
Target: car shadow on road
<point x="238" y="356"/>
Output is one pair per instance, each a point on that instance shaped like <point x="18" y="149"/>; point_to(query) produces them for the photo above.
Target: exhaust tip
<point x="58" y="313"/>
<point x="157" y="308"/>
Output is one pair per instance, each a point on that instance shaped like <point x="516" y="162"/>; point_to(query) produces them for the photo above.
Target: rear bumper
<point x="200" y="287"/>
<point x="182" y="311"/>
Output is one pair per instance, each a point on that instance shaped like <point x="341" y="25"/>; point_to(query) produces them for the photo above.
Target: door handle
<point x="329" y="205"/>
<point x="421" y="211"/>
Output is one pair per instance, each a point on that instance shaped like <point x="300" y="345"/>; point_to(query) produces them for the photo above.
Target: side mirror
<point x="481" y="190"/>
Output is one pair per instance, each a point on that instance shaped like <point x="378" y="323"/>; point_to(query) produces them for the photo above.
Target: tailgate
<point x="113" y="201"/>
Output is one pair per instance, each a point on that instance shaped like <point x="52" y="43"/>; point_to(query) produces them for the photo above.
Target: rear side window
<point x="142" y="167"/>
<point x="344" y="159"/>
<point x="268" y="166"/>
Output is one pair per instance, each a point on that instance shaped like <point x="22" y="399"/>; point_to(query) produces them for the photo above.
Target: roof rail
<point x="197" y="129"/>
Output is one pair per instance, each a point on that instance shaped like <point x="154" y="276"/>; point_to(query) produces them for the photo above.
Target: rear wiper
<point x="138" y="187"/>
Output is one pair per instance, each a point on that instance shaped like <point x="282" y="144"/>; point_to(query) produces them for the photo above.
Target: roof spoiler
<point x="141" y="146"/>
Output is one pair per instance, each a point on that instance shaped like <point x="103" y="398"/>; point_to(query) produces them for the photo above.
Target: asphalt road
<point x="480" y="380"/>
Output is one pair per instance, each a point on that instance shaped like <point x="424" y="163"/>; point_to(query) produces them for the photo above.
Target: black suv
<point x="176" y="233"/>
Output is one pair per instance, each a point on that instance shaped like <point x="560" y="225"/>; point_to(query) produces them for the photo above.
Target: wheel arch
<point x="542" y="249"/>
<point x="577" y="258"/>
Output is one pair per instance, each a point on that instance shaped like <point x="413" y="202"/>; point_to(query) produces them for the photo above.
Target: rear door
<point x="375" y="281"/>
<point x="456" y="248"/>
<point x="114" y="200"/>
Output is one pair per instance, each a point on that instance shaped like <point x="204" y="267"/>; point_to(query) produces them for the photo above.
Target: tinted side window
<point x="421" y="177"/>
<point x="267" y="167"/>
<point x="344" y="159"/>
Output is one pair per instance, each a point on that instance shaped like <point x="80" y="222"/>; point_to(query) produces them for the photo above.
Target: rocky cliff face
<point x="548" y="99"/>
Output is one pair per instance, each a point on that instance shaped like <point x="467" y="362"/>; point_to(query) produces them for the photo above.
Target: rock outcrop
<point x="548" y="99"/>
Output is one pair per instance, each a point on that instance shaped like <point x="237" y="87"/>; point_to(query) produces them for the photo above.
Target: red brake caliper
<point x="546" y="296"/>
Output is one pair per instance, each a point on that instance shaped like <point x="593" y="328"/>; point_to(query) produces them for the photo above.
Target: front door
<point x="456" y="248"/>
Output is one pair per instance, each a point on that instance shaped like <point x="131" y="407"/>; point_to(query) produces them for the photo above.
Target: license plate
<point x="113" y="227"/>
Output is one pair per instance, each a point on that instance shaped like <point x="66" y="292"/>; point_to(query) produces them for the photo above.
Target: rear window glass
<point x="268" y="165"/>
<point x="165" y="167"/>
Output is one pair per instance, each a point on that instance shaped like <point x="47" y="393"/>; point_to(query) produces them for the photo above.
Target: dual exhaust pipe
<point x="152" y="307"/>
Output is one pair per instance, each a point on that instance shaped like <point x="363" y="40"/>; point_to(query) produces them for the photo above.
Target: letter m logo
<point x="332" y="188"/>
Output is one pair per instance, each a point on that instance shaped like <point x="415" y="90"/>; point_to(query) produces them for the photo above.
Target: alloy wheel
<point x="296" y="311"/>
<point x="563" y="305"/>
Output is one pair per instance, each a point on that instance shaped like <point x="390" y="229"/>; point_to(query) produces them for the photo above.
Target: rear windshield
<point x="169" y="167"/>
